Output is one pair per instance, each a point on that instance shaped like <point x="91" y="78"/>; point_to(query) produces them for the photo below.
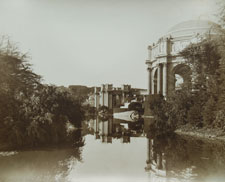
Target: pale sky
<point x="90" y="42"/>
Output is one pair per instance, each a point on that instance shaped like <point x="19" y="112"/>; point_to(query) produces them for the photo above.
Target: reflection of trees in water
<point x="187" y="158"/>
<point x="51" y="164"/>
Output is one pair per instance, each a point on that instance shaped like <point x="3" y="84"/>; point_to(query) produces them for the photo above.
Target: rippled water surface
<point x="115" y="150"/>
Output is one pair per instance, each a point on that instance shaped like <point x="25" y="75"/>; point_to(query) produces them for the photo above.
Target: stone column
<point x="120" y="97"/>
<point x="165" y="79"/>
<point x="123" y="97"/>
<point x="103" y="98"/>
<point x="153" y="83"/>
<point x="159" y="89"/>
<point x="149" y="81"/>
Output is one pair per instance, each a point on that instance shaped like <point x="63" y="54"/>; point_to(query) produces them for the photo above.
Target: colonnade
<point x="160" y="81"/>
<point x="110" y="99"/>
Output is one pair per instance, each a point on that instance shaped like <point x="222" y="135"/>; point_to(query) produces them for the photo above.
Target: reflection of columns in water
<point x="149" y="154"/>
<point x="154" y="160"/>
<point x="164" y="165"/>
<point x="103" y="98"/>
<point x="102" y="126"/>
<point x="96" y="125"/>
<point x="159" y="161"/>
<point x="105" y="130"/>
<point x="149" y="150"/>
<point x="96" y="128"/>
<point x="125" y="139"/>
<point x="97" y="100"/>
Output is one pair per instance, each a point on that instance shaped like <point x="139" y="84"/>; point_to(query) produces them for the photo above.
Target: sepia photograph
<point x="112" y="91"/>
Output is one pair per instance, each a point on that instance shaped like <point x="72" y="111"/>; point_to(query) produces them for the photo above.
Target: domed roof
<point x="191" y="27"/>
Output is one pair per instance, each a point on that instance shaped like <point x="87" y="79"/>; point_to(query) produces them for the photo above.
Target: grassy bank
<point x="201" y="133"/>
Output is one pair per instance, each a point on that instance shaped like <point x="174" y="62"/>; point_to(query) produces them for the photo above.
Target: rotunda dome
<point x="190" y="28"/>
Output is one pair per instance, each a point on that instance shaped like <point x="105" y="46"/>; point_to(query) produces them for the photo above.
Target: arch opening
<point x="182" y="76"/>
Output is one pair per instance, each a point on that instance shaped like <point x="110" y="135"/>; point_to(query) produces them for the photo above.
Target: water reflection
<point x="112" y="128"/>
<point x="171" y="157"/>
<point x="48" y="164"/>
<point x="117" y="150"/>
<point x="182" y="158"/>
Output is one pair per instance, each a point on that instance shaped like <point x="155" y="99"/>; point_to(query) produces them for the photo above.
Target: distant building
<point x="112" y="97"/>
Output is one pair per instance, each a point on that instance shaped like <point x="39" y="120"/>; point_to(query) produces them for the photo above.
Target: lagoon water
<point x="115" y="150"/>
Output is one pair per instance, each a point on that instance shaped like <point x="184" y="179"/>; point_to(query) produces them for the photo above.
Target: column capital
<point x="149" y="68"/>
<point x="159" y="64"/>
<point x="148" y="62"/>
<point x="149" y="47"/>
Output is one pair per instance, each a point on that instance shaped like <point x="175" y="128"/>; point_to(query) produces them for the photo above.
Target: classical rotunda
<point x="166" y="68"/>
